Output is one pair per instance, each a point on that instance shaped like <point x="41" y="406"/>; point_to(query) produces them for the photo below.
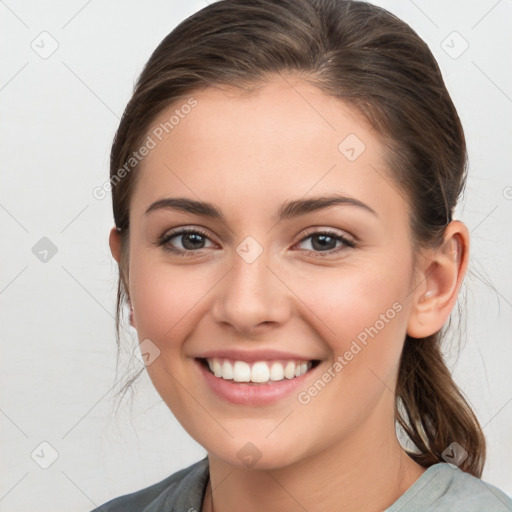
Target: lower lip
<point x="244" y="393"/>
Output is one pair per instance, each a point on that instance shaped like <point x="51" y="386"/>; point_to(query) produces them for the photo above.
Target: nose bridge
<point x="251" y="294"/>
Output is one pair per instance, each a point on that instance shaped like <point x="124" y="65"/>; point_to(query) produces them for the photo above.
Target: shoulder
<point x="443" y="488"/>
<point x="186" y="486"/>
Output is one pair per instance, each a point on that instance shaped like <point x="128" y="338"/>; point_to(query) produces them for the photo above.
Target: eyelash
<point x="164" y="242"/>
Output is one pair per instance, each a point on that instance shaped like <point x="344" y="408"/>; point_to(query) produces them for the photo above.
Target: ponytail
<point x="431" y="409"/>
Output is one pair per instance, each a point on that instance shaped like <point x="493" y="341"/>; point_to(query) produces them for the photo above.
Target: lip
<point x="254" y="355"/>
<point x="242" y="393"/>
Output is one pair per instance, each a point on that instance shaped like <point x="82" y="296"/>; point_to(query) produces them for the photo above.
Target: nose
<point x="252" y="297"/>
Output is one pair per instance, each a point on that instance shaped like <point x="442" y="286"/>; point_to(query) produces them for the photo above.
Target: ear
<point x="440" y="278"/>
<point x="115" y="248"/>
<point x="114" y="241"/>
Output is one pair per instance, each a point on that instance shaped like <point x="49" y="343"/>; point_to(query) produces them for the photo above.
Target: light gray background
<point x="58" y="116"/>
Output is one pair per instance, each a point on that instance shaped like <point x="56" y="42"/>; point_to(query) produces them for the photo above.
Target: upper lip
<point x="253" y="355"/>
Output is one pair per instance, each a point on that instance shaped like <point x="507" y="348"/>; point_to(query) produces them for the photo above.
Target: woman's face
<point x="277" y="280"/>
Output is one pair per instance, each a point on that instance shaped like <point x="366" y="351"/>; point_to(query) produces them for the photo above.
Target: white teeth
<point x="276" y="371"/>
<point x="241" y="372"/>
<point x="227" y="370"/>
<point x="289" y="370"/>
<point x="259" y="372"/>
<point x="217" y="369"/>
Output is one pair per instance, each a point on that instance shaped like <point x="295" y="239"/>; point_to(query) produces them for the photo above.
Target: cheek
<point x="166" y="297"/>
<point x="362" y="318"/>
<point x="361" y="315"/>
<point x="167" y="300"/>
<point x="349" y="301"/>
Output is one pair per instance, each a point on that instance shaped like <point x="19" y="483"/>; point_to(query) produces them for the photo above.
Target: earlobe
<point x="132" y="321"/>
<point x="440" y="280"/>
<point x="115" y="244"/>
<point x="115" y="249"/>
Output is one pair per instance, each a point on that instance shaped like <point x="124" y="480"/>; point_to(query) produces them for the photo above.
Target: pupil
<point x="322" y="239"/>
<point x="187" y="238"/>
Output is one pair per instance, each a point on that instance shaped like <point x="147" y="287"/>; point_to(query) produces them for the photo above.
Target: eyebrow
<point x="288" y="210"/>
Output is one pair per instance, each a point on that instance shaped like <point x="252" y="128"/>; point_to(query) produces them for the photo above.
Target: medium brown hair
<point x="375" y="62"/>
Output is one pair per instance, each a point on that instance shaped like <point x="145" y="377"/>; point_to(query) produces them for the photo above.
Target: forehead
<point x="287" y="138"/>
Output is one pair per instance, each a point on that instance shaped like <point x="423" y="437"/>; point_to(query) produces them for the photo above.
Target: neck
<point x="366" y="472"/>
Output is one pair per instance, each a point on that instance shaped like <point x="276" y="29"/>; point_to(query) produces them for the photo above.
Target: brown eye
<point x="191" y="240"/>
<point x="325" y="242"/>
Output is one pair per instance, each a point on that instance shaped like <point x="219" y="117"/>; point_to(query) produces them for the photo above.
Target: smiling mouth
<point x="257" y="372"/>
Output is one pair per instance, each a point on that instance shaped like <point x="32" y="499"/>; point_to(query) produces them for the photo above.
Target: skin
<point x="248" y="154"/>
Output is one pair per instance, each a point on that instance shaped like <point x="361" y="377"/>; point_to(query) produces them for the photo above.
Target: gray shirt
<point x="442" y="487"/>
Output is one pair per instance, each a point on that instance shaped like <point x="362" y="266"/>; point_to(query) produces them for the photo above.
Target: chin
<point x="255" y="455"/>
